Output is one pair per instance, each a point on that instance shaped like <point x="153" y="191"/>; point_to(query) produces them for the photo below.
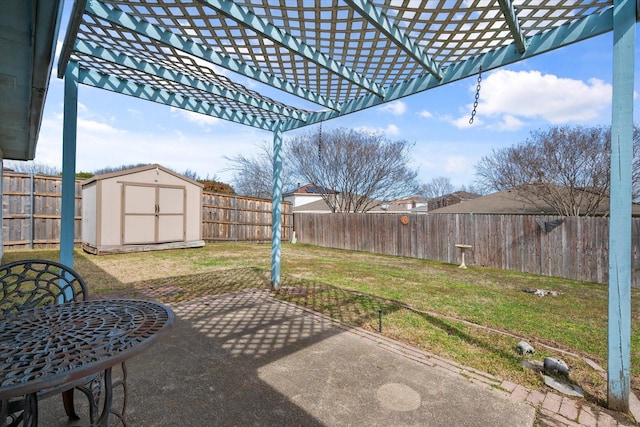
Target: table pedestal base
<point x="19" y="412"/>
<point x="24" y="412"/>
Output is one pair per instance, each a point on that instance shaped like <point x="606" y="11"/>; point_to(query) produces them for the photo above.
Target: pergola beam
<point x="70" y="37"/>
<point x="91" y="49"/>
<point x="509" y="13"/>
<point x="154" y="32"/>
<point x="376" y="18"/>
<point x="161" y="96"/>
<point x="257" y="24"/>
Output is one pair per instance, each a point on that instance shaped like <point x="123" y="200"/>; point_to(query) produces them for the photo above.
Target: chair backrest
<point x="35" y="282"/>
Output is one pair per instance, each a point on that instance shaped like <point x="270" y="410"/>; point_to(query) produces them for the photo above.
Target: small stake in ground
<point x="462" y="248"/>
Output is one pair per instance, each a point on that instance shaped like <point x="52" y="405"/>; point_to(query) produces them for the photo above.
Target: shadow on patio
<point x="238" y="356"/>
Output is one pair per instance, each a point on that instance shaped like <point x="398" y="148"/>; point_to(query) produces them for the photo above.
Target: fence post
<point x="235" y="218"/>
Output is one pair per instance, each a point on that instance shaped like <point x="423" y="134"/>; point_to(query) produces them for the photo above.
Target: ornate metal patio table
<point x="56" y="347"/>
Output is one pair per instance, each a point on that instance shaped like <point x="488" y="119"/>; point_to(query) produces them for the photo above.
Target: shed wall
<point x="106" y="196"/>
<point x="108" y="199"/>
<point x="89" y="214"/>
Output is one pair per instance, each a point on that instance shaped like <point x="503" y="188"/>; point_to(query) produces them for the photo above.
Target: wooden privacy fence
<point x="237" y="218"/>
<point x="568" y="247"/>
<point x="31" y="206"/>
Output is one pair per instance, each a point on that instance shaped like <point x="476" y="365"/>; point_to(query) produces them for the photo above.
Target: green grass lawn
<point x="474" y="317"/>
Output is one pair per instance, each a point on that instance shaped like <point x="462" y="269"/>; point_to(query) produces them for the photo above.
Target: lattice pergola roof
<point x="313" y="60"/>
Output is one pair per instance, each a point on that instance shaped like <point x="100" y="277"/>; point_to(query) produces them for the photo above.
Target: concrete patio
<point x="246" y="359"/>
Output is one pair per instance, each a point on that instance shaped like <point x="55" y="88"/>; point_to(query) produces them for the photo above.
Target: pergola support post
<point x="276" y="216"/>
<point x="70" y="125"/>
<point x="619" y="326"/>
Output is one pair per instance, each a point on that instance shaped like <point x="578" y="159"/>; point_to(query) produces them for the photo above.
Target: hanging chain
<point x="320" y="143"/>
<point x="475" y="103"/>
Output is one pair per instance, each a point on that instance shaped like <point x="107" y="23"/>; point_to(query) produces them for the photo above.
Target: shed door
<point x="153" y="214"/>
<point x="171" y="214"/>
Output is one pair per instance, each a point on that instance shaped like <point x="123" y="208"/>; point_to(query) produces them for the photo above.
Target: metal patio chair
<point x="33" y="283"/>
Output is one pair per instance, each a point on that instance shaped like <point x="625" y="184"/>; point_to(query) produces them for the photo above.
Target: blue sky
<point x="569" y="86"/>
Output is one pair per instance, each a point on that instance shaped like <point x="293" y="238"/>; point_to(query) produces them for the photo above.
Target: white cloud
<point x="457" y="164"/>
<point x="509" y="98"/>
<point x="101" y="145"/>
<point x="392" y="130"/>
<point x="508" y="123"/>
<point x="58" y="51"/>
<point x="397" y="108"/>
<point x="425" y="114"/>
<point x="95" y="126"/>
<point x="463" y="121"/>
<point x="446" y="158"/>
<point x="389" y="130"/>
<point x="201" y="120"/>
<point x="87" y="121"/>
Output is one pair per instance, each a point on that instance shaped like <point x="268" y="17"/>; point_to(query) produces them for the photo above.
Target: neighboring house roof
<point x="310" y="189"/>
<point x="390" y="208"/>
<point x="320" y="206"/>
<point x="450" y="199"/>
<point x="502" y="202"/>
<point x="410" y="200"/>
<point x="509" y="202"/>
<point x="308" y="199"/>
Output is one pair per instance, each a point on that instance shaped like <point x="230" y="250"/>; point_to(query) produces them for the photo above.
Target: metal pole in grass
<point x="276" y="216"/>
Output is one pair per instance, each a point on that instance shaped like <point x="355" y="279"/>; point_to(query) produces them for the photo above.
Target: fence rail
<point x="577" y="248"/>
<point x="31" y="207"/>
<point x="568" y="247"/>
<point x="238" y="218"/>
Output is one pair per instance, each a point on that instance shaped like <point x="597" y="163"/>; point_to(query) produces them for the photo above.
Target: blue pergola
<point x="315" y="60"/>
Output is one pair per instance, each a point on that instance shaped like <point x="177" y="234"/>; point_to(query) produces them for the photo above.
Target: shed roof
<point x="139" y="169"/>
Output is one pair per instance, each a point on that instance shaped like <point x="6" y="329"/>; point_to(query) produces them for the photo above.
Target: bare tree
<point x="472" y="188"/>
<point x="191" y="174"/>
<point x="112" y="169"/>
<point x="32" y="167"/>
<point x="357" y="171"/>
<point x="563" y="167"/>
<point x="437" y="187"/>
<point x="253" y="175"/>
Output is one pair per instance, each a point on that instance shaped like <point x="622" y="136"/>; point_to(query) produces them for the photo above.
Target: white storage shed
<point x="141" y="209"/>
